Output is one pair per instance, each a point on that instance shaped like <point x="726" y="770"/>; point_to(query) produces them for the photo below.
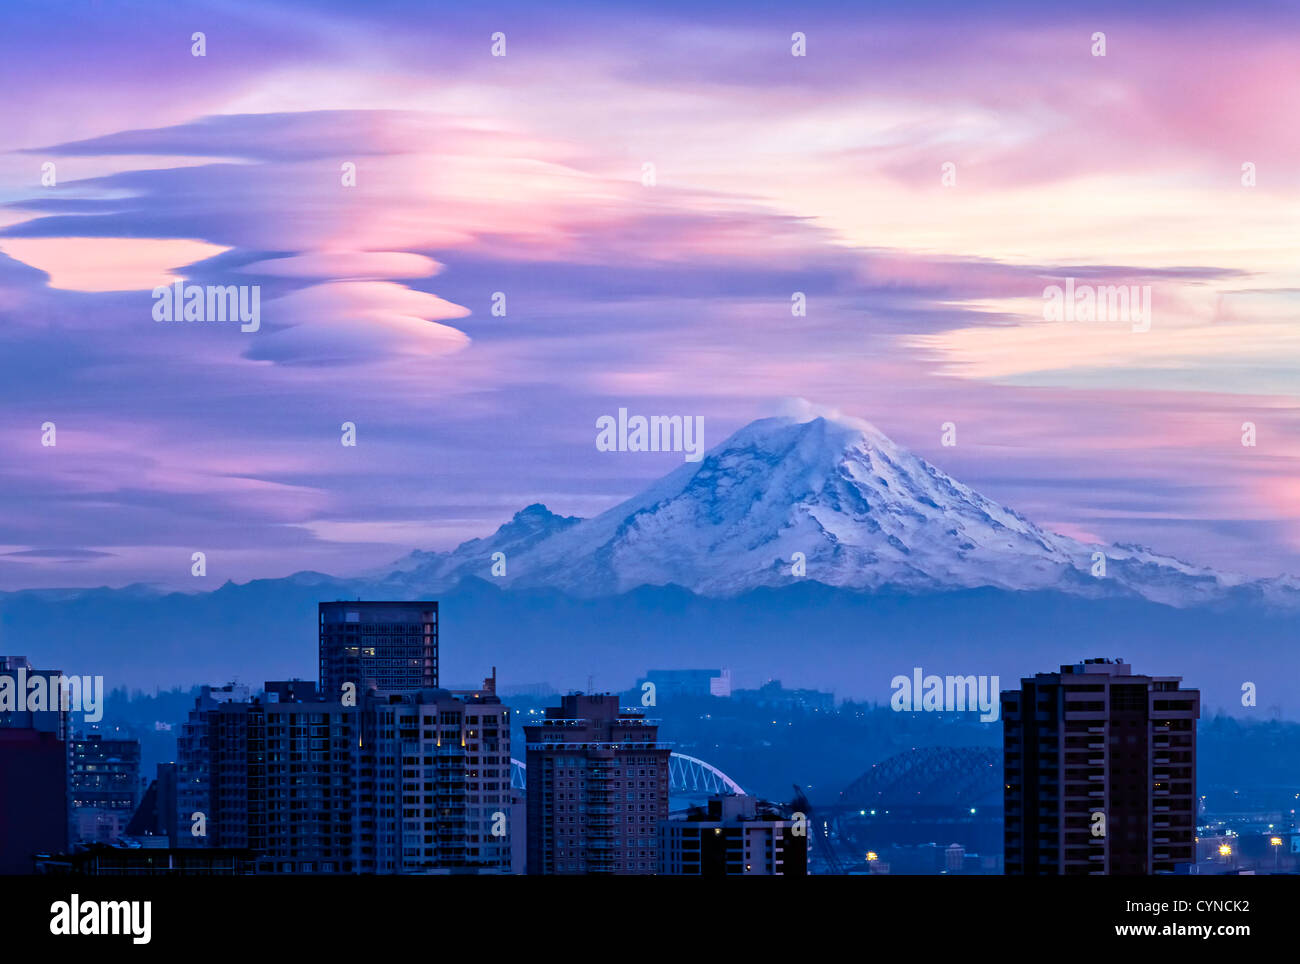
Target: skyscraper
<point x="597" y="789"/>
<point x="378" y="645"/>
<point x="415" y="781"/>
<point x="196" y="762"/>
<point x="1100" y="772"/>
<point x="271" y="775"/>
<point x="434" y="782"/>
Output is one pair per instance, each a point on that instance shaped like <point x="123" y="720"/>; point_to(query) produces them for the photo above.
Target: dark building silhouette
<point x="33" y="771"/>
<point x="1100" y="772"/>
<point x="197" y="763"/>
<point x="33" y="797"/>
<point x="597" y="789"/>
<point x="732" y="836"/>
<point x="158" y="811"/>
<point x="773" y="696"/>
<point x="378" y="645"/>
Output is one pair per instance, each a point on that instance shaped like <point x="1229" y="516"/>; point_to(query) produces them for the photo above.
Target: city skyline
<point x="305" y="777"/>
<point x="280" y="748"/>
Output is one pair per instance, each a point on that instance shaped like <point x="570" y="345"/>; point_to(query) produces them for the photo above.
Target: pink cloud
<point x="357" y="321"/>
<point x="109" y="264"/>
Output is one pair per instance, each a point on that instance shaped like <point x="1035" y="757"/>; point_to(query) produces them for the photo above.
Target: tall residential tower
<point x="1100" y="772"/>
<point x="597" y="789"/>
<point x="388" y="646"/>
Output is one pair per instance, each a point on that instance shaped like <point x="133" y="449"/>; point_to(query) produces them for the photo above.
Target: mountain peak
<point x="813" y="494"/>
<point x="537" y="516"/>
<point x="828" y="424"/>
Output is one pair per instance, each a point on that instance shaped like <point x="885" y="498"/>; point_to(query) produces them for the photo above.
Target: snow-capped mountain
<point x="915" y="567"/>
<point x="864" y="513"/>
<point x="474" y="558"/>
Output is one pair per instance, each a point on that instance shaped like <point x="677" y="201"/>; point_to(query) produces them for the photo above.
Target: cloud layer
<point x="471" y="258"/>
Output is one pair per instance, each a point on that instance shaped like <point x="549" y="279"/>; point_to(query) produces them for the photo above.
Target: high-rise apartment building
<point x="1100" y="772"/>
<point x="434" y="788"/>
<point x="415" y="781"/>
<point x="196" y="764"/>
<point x="378" y="645"/>
<point x="273" y="776"/>
<point x="104" y="785"/>
<point x="732" y="835"/>
<point x="104" y="771"/>
<point x="597" y="789"/>
<point x="300" y="780"/>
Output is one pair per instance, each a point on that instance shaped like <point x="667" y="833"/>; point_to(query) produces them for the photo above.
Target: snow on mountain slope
<point x="474" y="558"/>
<point x="865" y="513"/>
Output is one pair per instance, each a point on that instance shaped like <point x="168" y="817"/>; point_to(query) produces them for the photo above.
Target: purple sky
<point x="523" y="174"/>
